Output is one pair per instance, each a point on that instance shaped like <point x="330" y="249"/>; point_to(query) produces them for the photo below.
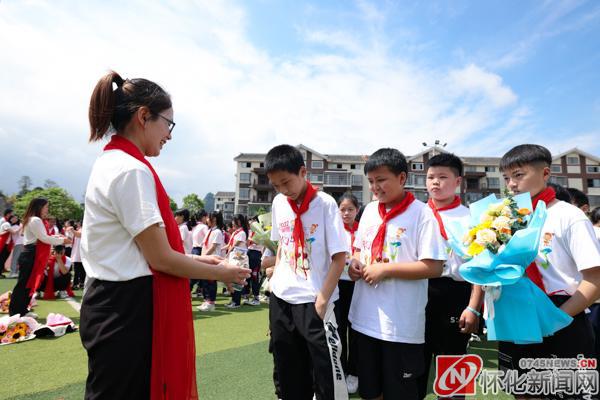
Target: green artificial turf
<point x="231" y="349"/>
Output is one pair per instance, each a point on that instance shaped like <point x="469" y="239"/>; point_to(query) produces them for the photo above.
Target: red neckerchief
<point x="207" y="238"/>
<point x="298" y="233"/>
<point x="436" y="213"/>
<point x="232" y="238"/>
<point x="42" y="252"/>
<point x="4" y="238"/>
<point x="379" y="239"/>
<point x="352" y="229"/>
<point x="533" y="271"/>
<point x="173" y="373"/>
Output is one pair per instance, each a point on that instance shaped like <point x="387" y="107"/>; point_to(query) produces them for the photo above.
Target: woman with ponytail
<point x="132" y="253"/>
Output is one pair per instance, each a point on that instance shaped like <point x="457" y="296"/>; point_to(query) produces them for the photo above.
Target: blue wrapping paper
<point x="516" y="310"/>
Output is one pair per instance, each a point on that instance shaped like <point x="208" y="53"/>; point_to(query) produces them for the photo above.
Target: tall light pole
<point x="435" y="145"/>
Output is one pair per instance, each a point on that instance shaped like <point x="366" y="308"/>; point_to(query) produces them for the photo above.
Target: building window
<point x="338" y="166"/>
<point x="593" y="169"/>
<point x="419" y="180"/>
<point x="417" y="166"/>
<point x="470" y="168"/>
<point x="594" y="183"/>
<point x="316" y="164"/>
<point x="228" y="207"/>
<point x="559" y="180"/>
<point x="573" y="160"/>
<point x="490" y="169"/>
<point x="244" y="193"/>
<point x="357" y="180"/>
<point x="473" y="197"/>
<point x="353" y="166"/>
<point x="242" y="209"/>
<point x="244" y="177"/>
<point x="473" y="184"/>
<point x="358" y="195"/>
<point x="316" y="178"/>
<point x="421" y="195"/>
<point x="262" y="164"/>
<point x="556" y="168"/>
<point x="493" y="183"/>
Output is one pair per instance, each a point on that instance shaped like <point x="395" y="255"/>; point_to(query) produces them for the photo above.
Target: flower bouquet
<point x="16" y="329"/>
<point x="500" y="243"/>
<point x="5" y="302"/>
<point x="262" y="235"/>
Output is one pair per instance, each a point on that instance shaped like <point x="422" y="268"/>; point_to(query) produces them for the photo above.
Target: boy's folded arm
<point x="338" y="261"/>
<point x="422" y="269"/>
<point x="586" y="294"/>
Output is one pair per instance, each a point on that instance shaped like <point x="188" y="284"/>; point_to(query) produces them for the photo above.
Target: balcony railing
<point x="337" y="179"/>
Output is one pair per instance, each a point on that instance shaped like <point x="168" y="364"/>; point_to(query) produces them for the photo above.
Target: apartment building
<point x="225" y="202"/>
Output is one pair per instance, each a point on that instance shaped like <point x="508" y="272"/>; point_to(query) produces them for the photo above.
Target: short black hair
<point x="595" y="215"/>
<point x="387" y="157"/>
<point x="183" y="212"/>
<point x="284" y="158"/>
<point x="59" y="248"/>
<point x="561" y="193"/>
<point x="578" y="198"/>
<point x="201" y="214"/>
<point x="446" y="160"/>
<point x="7" y="211"/>
<point x="525" y="154"/>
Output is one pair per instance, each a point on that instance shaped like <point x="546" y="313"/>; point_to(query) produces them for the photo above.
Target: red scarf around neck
<point x="379" y="239"/>
<point x="533" y="271"/>
<point x="436" y="212"/>
<point x="173" y="350"/>
<point x="42" y="252"/>
<point x="232" y="238"/>
<point x="298" y="233"/>
<point x="352" y="229"/>
<point x="4" y="238"/>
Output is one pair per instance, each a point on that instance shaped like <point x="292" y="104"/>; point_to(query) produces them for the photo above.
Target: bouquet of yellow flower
<point x="16" y="329"/>
<point x="496" y="227"/>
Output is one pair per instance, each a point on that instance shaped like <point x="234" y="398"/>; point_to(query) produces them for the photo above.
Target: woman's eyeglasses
<point x="171" y="123"/>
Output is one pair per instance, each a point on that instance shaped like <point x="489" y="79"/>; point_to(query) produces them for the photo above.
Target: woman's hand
<point x="233" y="274"/>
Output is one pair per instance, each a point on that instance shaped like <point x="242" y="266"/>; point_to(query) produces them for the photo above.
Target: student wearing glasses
<point x="132" y="253"/>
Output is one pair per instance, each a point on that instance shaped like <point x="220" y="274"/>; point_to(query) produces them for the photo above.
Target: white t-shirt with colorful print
<point x="324" y="236"/>
<point x="394" y="309"/>
<point x="454" y="261"/>
<point x="568" y="246"/>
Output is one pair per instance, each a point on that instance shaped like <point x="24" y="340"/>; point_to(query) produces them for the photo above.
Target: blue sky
<point x="338" y="76"/>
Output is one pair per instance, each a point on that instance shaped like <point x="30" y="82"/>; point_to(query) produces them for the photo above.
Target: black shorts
<point x="388" y="368"/>
<point x="569" y="342"/>
<point x="306" y="352"/>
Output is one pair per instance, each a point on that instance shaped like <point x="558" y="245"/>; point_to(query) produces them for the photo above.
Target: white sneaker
<point x="232" y="305"/>
<point x="352" y="384"/>
<point x="31" y="315"/>
<point x="63" y="294"/>
<point x="253" y="302"/>
<point x="263" y="298"/>
<point x="206" y="306"/>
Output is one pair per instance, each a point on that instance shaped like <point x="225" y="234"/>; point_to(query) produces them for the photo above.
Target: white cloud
<point x="229" y="95"/>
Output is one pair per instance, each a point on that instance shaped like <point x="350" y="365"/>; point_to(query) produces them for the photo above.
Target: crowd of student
<point x="62" y="262"/>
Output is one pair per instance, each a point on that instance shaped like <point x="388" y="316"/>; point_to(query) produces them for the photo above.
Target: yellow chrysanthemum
<point x="474" y="249"/>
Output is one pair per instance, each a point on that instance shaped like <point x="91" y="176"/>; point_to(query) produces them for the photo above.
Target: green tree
<point x="193" y="203"/>
<point x="25" y="184"/>
<point x="172" y="204"/>
<point x="62" y="204"/>
<point x="49" y="183"/>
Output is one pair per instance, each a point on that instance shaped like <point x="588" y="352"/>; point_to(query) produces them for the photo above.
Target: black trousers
<point x="447" y="299"/>
<point x="347" y="335"/>
<point x="4" y="254"/>
<point x="60" y="283"/>
<point x="300" y="351"/>
<point x="79" y="278"/>
<point x="20" y="298"/>
<point x="116" y="331"/>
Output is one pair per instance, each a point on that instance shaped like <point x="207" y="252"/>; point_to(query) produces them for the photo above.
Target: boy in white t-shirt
<point x="310" y="258"/>
<point x="453" y="306"/>
<point x="567" y="265"/>
<point x="398" y="247"/>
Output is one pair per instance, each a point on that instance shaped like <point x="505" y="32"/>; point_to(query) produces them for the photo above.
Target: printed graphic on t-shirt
<point x="301" y="266"/>
<point x="391" y="247"/>
<point x="545" y="249"/>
